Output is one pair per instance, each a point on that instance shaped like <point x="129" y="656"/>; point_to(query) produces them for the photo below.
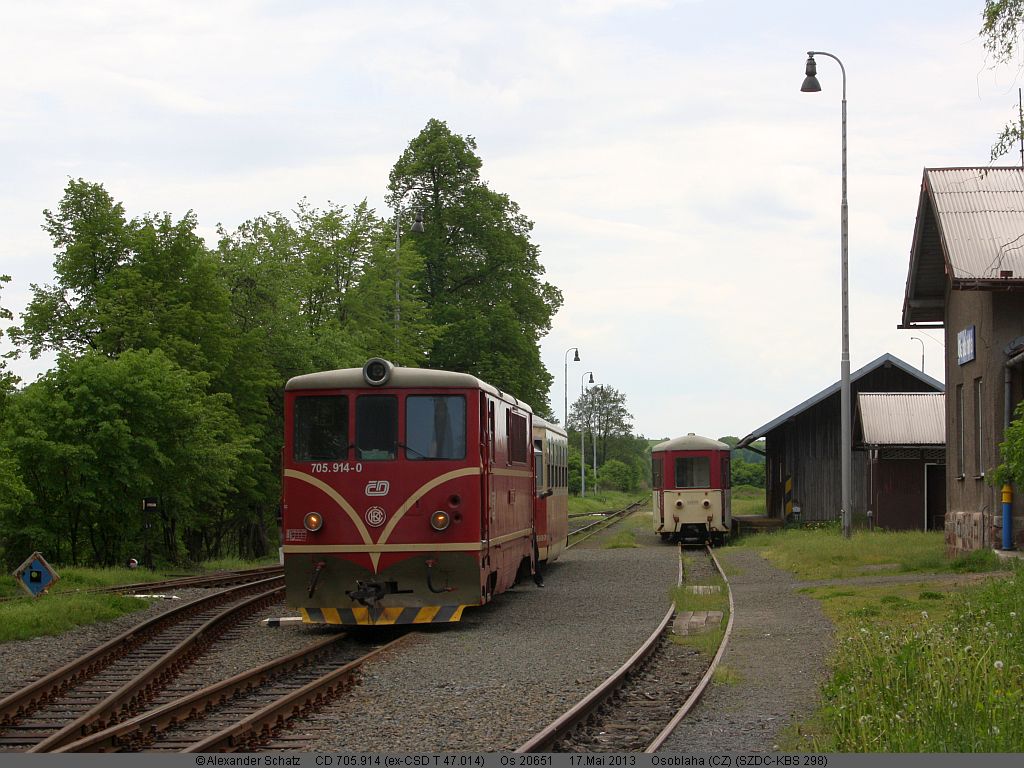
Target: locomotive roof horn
<point x="377" y="371"/>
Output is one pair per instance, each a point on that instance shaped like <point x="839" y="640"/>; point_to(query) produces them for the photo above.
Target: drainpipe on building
<point x="1012" y="363"/>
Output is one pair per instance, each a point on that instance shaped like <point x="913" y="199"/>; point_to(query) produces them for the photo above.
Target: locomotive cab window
<point x="518" y="443"/>
<point x="376" y="427"/>
<point x="435" y="427"/>
<point x="693" y="472"/>
<point x="320" y="429"/>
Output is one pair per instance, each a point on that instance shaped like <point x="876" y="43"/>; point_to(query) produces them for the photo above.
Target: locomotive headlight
<point x="313" y="521"/>
<point x="377" y="371"/>
<point x="440" y="520"/>
<point x="707" y="504"/>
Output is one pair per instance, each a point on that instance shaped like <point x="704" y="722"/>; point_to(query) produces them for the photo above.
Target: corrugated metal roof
<point x="981" y="219"/>
<point x="902" y="418"/>
<point x="886" y="359"/>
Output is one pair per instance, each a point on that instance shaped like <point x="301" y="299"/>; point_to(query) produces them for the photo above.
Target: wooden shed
<point x="802" y="455"/>
<point x="903" y="437"/>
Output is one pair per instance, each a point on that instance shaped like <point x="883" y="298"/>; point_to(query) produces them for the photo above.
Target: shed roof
<point x="969" y="229"/>
<point x="902" y="418"/>
<point x="829" y="391"/>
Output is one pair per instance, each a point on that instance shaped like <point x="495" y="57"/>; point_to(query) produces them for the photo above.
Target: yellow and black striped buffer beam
<point x="360" y="616"/>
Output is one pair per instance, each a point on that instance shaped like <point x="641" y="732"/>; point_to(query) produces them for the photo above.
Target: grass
<point x="920" y="666"/>
<point x="605" y="501"/>
<point x="947" y="680"/>
<point x="67" y="605"/>
<point x="824" y="553"/>
<point x="685" y="600"/>
<point x="26" y="619"/>
<point x="748" y="500"/>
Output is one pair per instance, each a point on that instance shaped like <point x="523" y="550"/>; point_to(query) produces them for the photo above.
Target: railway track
<point x="640" y="704"/>
<point x="583" y="532"/>
<point x="120" y="678"/>
<point x="248" y="712"/>
<point x="205" y="581"/>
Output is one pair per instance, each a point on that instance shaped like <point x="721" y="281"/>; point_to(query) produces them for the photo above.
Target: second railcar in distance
<point x="408" y="494"/>
<point x="690" y="477"/>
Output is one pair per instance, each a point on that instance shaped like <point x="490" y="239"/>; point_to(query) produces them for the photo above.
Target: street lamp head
<point x="591" y="379"/>
<point x="417" y="226"/>
<point x="576" y="357"/>
<point x="811" y="84"/>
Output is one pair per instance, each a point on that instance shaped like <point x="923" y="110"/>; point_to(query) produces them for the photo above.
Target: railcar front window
<point x="376" y="427"/>
<point x="320" y="428"/>
<point x="435" y="427"/>
<point x="693" y="472"/>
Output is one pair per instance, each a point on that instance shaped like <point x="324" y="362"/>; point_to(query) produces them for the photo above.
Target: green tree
<point x="616" y="475"/>
<point x="601" y="411"/>
<point x="481" y="275"/>
<point x="98" y="434"/>
<point x="148" y="283"/>
<point x="1002" y="23"/>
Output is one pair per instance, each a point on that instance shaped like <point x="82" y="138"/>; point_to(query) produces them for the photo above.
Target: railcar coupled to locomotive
<point x="692" y="497"/>
<point x="410" y="494"/>
<point x="551" y="476"/>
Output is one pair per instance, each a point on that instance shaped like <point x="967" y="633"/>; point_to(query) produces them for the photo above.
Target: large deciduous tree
<point x="481" y="275"/>
<point x="601" y="412"/>
<point x="98" y="434"/>
<point x="1001" y="29"/>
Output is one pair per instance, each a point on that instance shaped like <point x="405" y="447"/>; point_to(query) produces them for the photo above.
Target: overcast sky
<point x="685" y="193"/>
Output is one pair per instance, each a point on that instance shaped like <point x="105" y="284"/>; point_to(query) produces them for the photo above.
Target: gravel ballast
<point x="490" y="682"/>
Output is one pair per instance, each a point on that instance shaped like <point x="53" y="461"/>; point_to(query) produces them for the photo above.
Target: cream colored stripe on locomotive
<point x="379" y="549"/>
<point x="364" y="534"/>
<point x="337" y="498"/>
<point x="512" y="472"/>
<point x="416" y="496"/>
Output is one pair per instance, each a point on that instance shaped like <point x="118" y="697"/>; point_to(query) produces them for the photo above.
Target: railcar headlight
<point x="440" y="520"/>
<point x="313" y="521"/>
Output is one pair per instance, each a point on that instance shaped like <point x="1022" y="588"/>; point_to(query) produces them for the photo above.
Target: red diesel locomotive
<point x="408" y="494"/>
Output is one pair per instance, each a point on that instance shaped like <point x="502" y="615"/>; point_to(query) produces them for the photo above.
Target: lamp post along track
<point x="613" y="717"/>
<point x="118" y="679"/>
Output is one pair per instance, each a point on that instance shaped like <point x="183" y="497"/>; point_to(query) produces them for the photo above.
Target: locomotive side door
<point x="486" y="487"/>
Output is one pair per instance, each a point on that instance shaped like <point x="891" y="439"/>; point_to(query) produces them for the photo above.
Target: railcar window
<point x="320" y="428"/>
<point x="657" y="470"/>
<point x="435" y="427"/>
<point x="693" y="472"/>
<point x="376" y="427"/>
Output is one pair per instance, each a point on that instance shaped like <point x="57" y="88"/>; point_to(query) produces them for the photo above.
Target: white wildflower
<point x="998" y="664"/>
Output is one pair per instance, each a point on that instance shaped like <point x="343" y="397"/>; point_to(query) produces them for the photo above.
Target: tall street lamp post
<point x="565" y="383"/>
<point x="921" y="341"/>
<point x="583" y="456"/>
<point x="811" y="85"/>
<point x="417" y="226"/>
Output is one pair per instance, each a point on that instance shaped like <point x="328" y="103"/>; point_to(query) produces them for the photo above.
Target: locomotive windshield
<point x="321" y="428"/>
<point x="693" y="472"/>
<point x="435" y="427"/>
<point x="376" y="427"/>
